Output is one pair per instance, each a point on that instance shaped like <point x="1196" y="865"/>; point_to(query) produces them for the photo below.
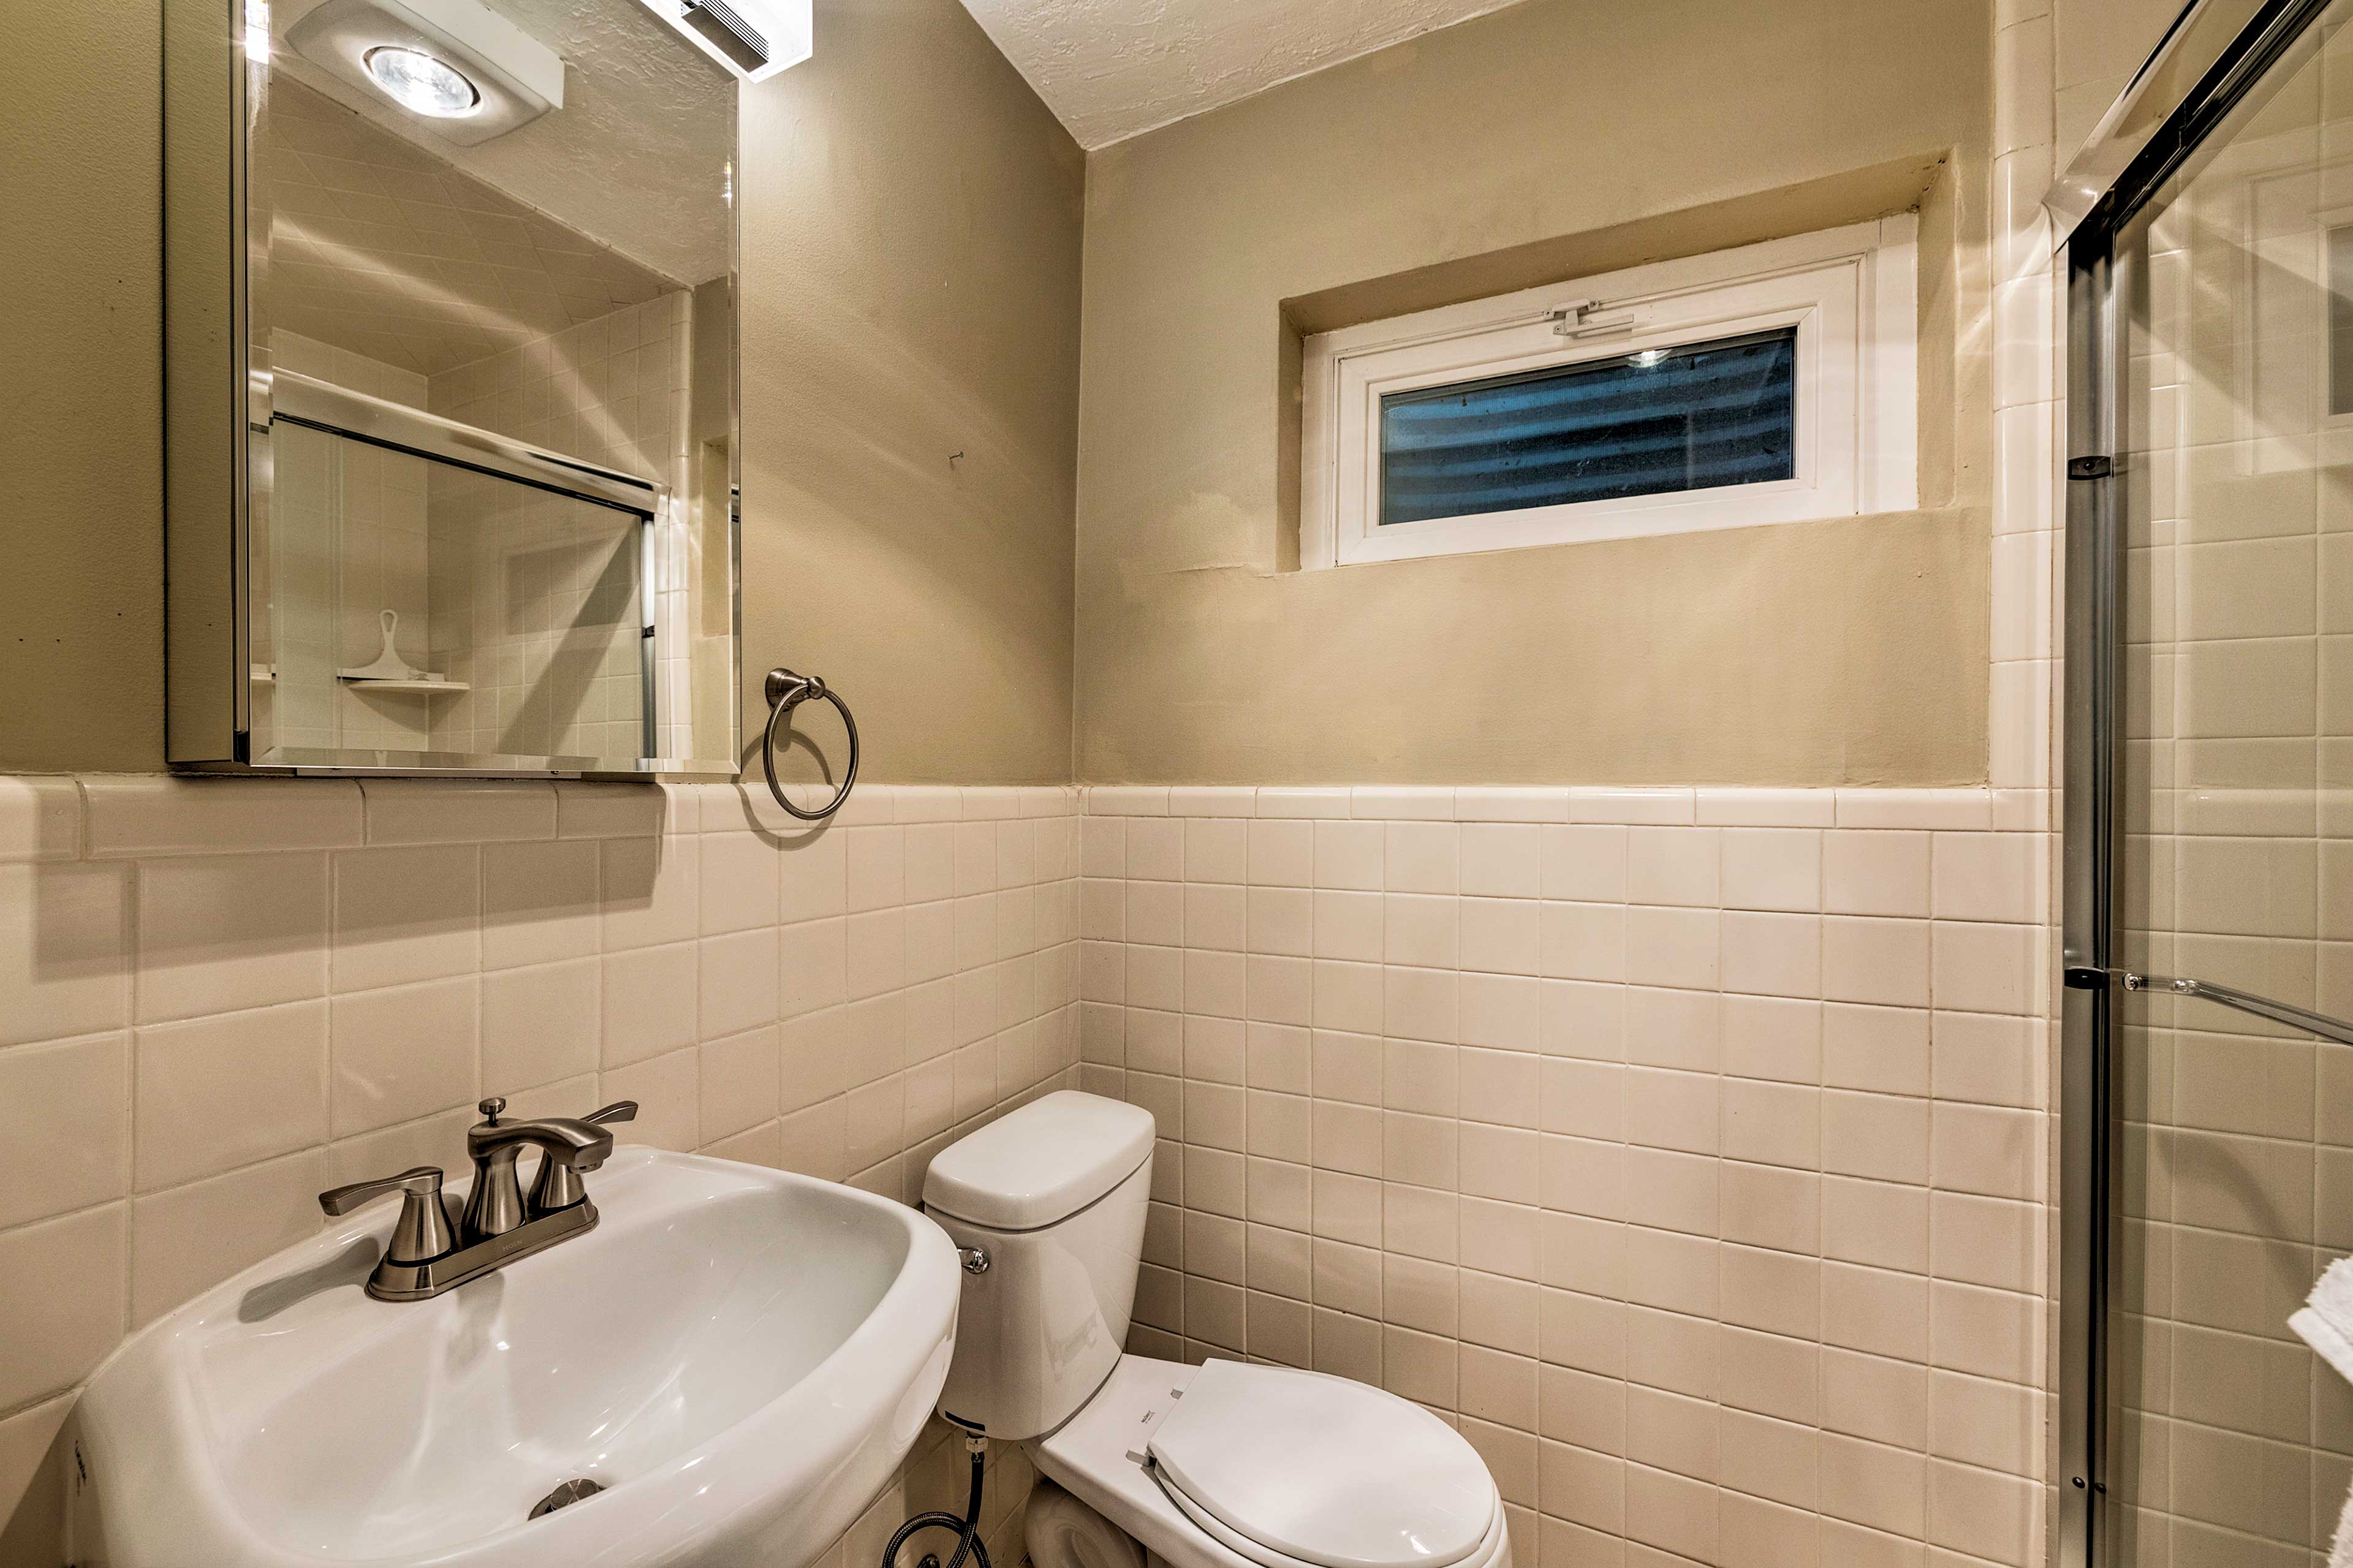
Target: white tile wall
<point x="343" y="539"/>
<point x="219" y="997"/>
<point x="1685" y="1147"/>
<point x="2027" y="314"/>
<point x="2000" y="952"/>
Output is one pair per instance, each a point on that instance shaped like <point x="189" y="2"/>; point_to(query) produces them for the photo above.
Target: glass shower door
<point x="413" y="607"/>
<point x="2229" y="1126"/>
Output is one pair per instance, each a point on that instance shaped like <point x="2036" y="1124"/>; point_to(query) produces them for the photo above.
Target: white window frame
<point x="1852" y="292"/>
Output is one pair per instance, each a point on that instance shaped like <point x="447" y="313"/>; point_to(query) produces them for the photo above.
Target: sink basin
<point x="739" y="1357"/>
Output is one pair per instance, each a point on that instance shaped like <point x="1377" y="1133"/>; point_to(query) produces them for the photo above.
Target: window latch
<point x="1593" y="318"/>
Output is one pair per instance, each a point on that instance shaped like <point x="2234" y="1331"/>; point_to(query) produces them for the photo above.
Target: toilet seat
<point x="1296" y="1468"/>
<point x="1483" y="1556"/>
<point x="1105" y="1456"/>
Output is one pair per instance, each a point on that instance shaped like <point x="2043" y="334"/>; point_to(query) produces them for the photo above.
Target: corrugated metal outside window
<point x="1697" y="416"/>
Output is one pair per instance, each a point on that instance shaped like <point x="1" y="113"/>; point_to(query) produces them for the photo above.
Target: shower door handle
<point x="2295" y="1017"/>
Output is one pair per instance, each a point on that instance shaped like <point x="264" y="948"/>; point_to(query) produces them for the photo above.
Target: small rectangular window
<point x="1697" y="416"/>
<point x="1764" y="385"/>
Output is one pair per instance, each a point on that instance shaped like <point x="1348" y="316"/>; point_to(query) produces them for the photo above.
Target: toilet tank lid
<point x="1040" y="1164"/>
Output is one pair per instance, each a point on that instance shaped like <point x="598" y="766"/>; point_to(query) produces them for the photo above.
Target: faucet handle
<point x="422" y="1231"/>
<point x="558" y="1184"/>
<point x="343" y="1200"/>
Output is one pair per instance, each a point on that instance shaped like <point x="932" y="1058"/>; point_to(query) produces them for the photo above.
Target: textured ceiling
<point x="1111" y="68"/>
<point x="377" y="247"/>
<point x="635" y="160"/>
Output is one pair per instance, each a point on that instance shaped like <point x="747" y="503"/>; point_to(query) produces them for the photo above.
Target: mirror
<point x="474" y="275"/>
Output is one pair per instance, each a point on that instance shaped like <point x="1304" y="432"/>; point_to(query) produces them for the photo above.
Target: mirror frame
<point x="216" y="398"/>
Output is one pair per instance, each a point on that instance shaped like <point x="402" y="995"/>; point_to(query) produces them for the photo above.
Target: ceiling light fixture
<point x="466" y="72"/>
<point x="416" y="81"/>
<point x="752" y="39"/>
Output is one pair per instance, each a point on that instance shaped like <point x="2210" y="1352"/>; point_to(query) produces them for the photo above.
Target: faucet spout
<point x="576" y="1144"/>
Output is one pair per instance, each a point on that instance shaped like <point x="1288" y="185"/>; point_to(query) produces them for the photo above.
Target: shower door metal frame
<point x="2215" y="53"/>
<point x="355" y="415"/>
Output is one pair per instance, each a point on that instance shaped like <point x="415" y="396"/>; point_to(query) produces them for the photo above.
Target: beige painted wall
<point x="82" y="602"/>
<point x="911" y="219"/>
<point x="911" y="243"/>
<point x="1842" y="652"/>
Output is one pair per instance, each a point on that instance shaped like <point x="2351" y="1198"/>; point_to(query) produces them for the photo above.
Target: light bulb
<point x="418" y="82"/>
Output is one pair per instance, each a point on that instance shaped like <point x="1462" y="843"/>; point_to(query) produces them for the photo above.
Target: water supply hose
<point x="967" y="1529"/>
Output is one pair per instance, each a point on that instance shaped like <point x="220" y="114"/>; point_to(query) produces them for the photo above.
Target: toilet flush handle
<point x="975" y="1259"/>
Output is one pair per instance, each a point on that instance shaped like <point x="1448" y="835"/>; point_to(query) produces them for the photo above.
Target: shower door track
<point x="2214" y="54"/>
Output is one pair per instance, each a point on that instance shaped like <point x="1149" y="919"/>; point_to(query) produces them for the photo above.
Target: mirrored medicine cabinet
<point x="450" y="400"/>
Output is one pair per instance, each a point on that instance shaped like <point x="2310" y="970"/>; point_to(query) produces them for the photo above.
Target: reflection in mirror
<point x="493" y="351"/>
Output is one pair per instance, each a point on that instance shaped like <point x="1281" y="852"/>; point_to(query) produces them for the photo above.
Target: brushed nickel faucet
<point x="427" y="1256"/>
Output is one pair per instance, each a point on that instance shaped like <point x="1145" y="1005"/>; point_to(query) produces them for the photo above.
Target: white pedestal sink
<point x="739" y="1357"/>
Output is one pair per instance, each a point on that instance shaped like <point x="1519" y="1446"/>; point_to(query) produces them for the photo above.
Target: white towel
<point x="2326" y="1323"/>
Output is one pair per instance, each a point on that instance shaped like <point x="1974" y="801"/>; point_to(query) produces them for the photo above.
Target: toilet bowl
<point x="1218" y="1466"/>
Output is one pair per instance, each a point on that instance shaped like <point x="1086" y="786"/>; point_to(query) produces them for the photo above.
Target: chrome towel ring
<point x="785" y="692"/>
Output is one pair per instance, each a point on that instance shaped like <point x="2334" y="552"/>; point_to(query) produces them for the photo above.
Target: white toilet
<point x="1221" y="1466"/>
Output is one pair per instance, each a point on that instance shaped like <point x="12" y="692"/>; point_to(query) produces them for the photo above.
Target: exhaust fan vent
<point x="728" y="32"/>
<point x="752" y="39"/>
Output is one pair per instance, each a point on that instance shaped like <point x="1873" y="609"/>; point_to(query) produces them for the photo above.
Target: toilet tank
<point x="1054" y="1193"/>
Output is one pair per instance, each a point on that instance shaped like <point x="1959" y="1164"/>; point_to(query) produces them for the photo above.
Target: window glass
<point x="1697" y="416"/>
